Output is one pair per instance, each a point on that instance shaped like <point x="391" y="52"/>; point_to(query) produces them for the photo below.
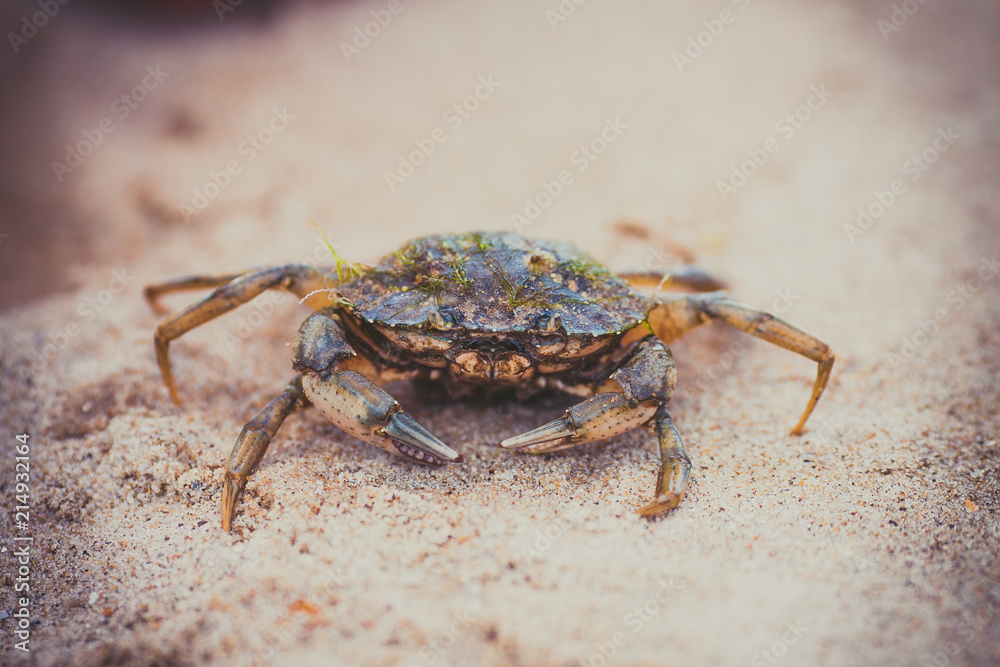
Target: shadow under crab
<point x="485" y="310"/>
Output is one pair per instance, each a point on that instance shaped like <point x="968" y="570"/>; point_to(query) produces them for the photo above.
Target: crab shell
<point x="490" y="307"/>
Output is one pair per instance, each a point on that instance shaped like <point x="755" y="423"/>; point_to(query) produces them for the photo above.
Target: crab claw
<point x="601" y="416"/>
<point x="416" y="443"/>
<point x="546" y="438"/>
<point x="360" y="407"/>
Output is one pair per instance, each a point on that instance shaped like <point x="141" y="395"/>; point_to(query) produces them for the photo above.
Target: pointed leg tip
<point x="663" y="503"/>
<point x="174" y="396"/>
<point x="230" y="491"/>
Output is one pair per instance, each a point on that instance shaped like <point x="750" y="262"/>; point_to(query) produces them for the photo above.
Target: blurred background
<point x="835" y="163"/>
<point x="696" y="91"/>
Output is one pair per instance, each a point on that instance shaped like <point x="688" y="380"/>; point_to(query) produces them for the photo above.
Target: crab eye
<point x="547" y="323"/>
<point x="549" y="337"/>
<point x="442" y="319"/>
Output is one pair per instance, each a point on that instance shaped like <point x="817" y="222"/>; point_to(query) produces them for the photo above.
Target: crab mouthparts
<point x="417" y="443"/>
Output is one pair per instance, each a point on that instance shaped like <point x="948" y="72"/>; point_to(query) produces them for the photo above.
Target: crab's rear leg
<point x="154" y="292"/>
<point x="686" y="278"/>
<point x="645" y="381"/>
<point x="299" y="279"/>
<point x="676" y="317"/>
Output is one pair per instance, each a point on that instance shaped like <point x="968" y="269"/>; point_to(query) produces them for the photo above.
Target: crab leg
<point x="686" y="278"/>
<point x="154" y="292"/>
<point x="675" y="466"/>
<point x="299" y="279"/>
<point x="252" y="444"/>
<point x="347" y="398"/>
<point x="674" y="318"/>
<point x="647" y="381"/>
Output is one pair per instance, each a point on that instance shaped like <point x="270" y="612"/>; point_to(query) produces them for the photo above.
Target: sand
<point x="871" y="539"/>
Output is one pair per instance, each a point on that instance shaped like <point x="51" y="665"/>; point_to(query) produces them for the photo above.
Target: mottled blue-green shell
<point x="494" y="282"/>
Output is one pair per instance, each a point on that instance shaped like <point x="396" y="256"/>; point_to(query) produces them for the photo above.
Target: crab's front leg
<point x="646" y="382"/>
<point x="675" y="466"/>
<point x="351" y="401"/>
<point x="253" y="442"/>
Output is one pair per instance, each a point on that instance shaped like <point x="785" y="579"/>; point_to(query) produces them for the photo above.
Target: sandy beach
<point x="833" y="163"/>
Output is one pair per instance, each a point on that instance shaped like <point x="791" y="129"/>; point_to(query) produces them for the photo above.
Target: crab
<point x="492" y="309"/>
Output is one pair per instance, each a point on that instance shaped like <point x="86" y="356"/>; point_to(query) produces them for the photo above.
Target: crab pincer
<point x="646" y="380"/>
